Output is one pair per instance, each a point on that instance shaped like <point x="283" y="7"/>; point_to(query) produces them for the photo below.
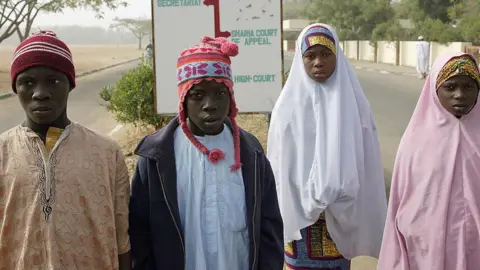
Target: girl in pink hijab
<point x="433" y="219"/>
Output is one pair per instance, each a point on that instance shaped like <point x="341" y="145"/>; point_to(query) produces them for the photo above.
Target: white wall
<point x="387" y="51"/>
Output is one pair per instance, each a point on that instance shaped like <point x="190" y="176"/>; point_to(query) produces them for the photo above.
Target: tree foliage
<point x="132" y="101"/>
<point x="466" y="16"/>
<point x="443" y="20"/>
<point x="17" y="16"/>
<point x="139" y="27"/>
<point x="437" y="20"/>
<point x="390" y="31"/>
<point x="353" y="19"/>
<point x="420" y="10"/>
<point x="295" y="9"/>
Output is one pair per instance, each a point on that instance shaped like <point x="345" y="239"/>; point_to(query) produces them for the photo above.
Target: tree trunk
<point x="140" y="42"/>
<point x="32" y="14"/>
<point x="8" y="33"/>
<point x="397" y="52"/>
<point x="11" y="24"/>
<point x="21" y="36"/>
<point x="358" y="50"/>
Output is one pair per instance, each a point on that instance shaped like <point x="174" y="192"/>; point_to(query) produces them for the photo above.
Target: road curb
<point x="383" y="71"/>
<point x="7" y="95"/>
<point x="106" y="67"/>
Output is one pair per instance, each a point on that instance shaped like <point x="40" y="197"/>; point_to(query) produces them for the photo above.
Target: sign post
<point x="255" y="25"/>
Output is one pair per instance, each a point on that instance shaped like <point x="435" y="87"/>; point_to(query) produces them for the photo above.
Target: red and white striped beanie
<point x="42" y="49"/>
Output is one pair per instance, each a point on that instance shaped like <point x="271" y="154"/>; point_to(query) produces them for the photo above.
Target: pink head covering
<point x="209" y="60"/>
<point x="433" y="219"/>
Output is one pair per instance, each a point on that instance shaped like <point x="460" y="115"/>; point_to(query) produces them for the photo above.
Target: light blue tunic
<point x="211" y="201"/>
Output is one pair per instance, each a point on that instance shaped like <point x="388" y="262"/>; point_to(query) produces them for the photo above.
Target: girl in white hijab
<point x="324" y="151"/>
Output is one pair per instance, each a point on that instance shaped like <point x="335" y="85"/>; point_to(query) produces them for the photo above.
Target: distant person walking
<point x="149" y="52"/>
<point x="423" y="57"/>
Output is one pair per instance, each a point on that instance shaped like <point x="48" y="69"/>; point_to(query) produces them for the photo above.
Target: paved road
<point x="392" y="97"/>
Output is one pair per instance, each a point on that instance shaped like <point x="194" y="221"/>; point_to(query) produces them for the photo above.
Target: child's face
<point x="43" y="93"/>
<point x="207" y="105"/>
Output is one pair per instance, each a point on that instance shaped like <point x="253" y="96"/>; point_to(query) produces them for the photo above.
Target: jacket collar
<point x="160" y="145"/>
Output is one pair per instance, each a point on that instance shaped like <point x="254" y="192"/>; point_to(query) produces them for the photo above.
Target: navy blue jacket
<point x="155" y="232"/>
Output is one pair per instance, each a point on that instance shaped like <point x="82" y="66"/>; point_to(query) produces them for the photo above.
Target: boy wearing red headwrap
<point x="203" y="194"/>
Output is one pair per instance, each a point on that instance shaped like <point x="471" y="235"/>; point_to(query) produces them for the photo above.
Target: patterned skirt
<point x="315" y="251"/>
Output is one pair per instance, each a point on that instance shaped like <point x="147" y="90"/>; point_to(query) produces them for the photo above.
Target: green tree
<point x="439" y="31"/>
<point x="131" y="100"/>
<point x="18" y="16"/>
<point x="353" y="19"/>
<point x="295" y="9"/>
<point x="139" y="27"/>
<point x="420" y="10"/>
<point x="466" y="16"/>
<point x="433" y="19"/>
<point x="390" y="31"/>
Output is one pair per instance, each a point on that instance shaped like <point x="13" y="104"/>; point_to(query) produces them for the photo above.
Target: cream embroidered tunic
<point x="63" y="209"/>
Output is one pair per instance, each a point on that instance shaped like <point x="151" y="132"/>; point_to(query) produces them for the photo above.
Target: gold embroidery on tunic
<point x="289" y="249"/>
<point x="329" y="247"/>
<point x="321" y="245"/>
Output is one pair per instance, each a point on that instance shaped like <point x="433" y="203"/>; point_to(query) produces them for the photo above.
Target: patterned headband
<point x="210" y="58"/>
<point x="318" y="35"/>
<point x="463" y="65"/>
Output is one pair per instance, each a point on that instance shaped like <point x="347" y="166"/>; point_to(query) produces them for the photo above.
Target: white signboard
<point x="255" y="25"/>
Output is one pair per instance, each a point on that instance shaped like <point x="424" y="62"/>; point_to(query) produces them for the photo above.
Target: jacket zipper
<point x="174" y="222"/>
<point x="254" y="214"/>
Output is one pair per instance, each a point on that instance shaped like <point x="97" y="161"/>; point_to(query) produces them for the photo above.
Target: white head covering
<point x="420" y="38"/>
<point x="324" y="151"/>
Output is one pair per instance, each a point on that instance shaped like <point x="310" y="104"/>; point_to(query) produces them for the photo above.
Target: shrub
<point x="106" y="93"/>
<point x="131" y="100"/>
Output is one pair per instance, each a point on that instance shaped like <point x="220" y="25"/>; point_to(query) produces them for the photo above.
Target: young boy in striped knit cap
<point x="64" y="189"/>
<point x="203" y="194"/>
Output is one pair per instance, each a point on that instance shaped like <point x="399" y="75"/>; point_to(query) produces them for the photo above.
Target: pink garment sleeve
<point x="122" y="197"/>
<point x="393" y="253"/>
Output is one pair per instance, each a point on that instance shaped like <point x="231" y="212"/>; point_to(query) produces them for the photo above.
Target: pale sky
<point x="135" y="9"/>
